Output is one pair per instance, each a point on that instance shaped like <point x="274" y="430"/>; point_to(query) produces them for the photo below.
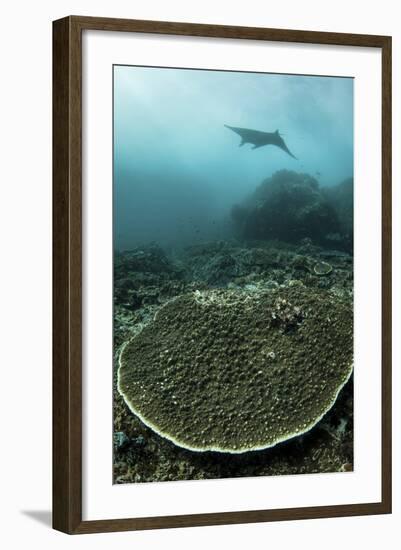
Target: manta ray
<point x="260" y="139"/>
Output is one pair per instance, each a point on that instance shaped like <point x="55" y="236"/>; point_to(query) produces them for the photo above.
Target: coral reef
<point x="291" y="206"/>
<point x="322" y="268"/>
<point x="233" y="371"/>
<point x="220" y="263"/>
<point x="260" y="267"/>
<point x="341" y="197"/>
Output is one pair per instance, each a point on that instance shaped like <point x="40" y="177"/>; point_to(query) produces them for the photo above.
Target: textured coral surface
<point x="235" y="370"/>
<point x="147" y="278"/>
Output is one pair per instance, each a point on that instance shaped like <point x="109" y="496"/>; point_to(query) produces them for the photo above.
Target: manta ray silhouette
<point x="260" y="139"/>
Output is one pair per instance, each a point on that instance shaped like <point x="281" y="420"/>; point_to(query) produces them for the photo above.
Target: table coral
<point x="234" y="371"/>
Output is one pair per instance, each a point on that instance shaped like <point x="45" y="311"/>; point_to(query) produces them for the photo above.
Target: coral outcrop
<point x="235" y="370"/>
<point x="288" y="206"/>
<point x="341" y="197"/>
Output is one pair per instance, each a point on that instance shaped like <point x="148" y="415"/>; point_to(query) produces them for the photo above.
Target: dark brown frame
<point x="67" y="283"/>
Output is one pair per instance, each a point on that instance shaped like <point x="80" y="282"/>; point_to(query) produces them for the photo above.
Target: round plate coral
<point x="235" y="371"/>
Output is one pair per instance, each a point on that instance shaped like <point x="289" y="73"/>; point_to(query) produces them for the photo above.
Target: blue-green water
<point x="178" y="171"/>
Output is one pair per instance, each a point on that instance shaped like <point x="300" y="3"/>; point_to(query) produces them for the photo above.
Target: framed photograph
<point x="222" y="270"/>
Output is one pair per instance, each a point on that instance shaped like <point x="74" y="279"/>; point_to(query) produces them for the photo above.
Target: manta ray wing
<point x="260" y="139"/>
<point x="247" y="135"/>
<point x="257" y="145"/>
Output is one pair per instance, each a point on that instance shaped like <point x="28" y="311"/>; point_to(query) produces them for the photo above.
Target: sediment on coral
<point x="260" y="265"/>
<point x="234" y="371"/>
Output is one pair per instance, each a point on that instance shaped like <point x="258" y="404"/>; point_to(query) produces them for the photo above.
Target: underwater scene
<point x="233" y="274"/>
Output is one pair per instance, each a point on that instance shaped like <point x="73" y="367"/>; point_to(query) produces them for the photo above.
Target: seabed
<point x="147" y="277"/>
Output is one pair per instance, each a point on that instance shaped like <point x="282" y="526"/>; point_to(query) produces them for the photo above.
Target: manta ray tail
<point x="285" y="148"/>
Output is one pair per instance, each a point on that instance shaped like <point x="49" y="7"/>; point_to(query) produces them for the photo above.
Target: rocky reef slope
<point x="290" y="206"/>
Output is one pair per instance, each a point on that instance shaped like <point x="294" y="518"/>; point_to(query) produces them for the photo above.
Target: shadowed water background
<point x="178" y="171"/>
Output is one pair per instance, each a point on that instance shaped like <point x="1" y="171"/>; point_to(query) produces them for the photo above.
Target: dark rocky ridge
<point x="290" y="206"/>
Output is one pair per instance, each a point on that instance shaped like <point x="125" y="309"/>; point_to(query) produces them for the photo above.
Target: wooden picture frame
<point x="67" y="273"/>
